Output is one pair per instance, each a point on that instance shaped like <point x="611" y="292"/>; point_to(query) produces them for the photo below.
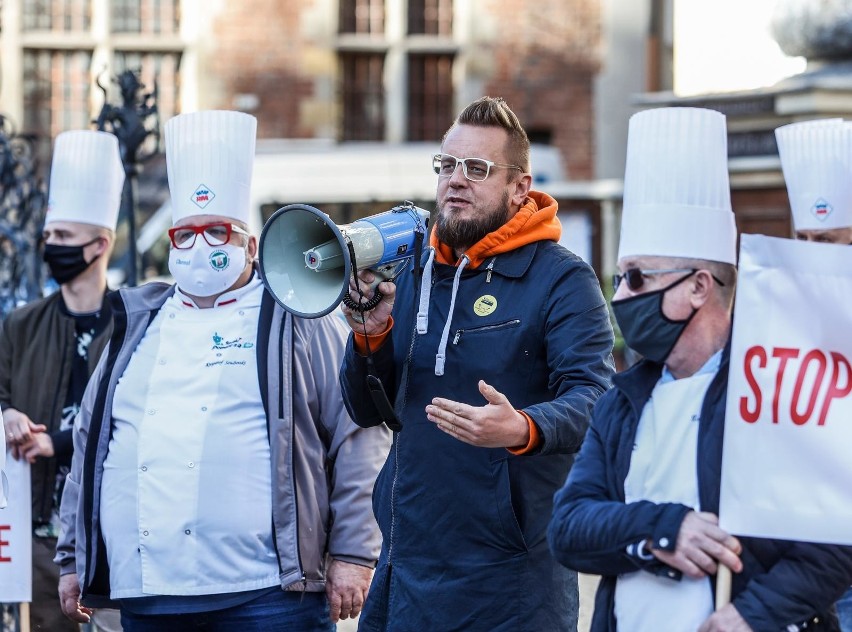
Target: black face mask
<point x="66" y="262"/>
<point x="645" y="328"/>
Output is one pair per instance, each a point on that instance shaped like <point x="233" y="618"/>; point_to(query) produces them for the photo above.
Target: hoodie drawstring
<point x="425" y="294"/>
<point x="441" y="356"/>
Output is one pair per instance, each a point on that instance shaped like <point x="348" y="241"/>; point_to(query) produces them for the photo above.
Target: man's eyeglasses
<point x="475" y="169"/>
<point x="219" y="234"/>
<point x="635" y="277"/>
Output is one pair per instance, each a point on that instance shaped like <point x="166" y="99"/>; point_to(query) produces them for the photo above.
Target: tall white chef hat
<point x="816" y="157"/>
<point x="209" y="158"/>
<point x="677" y="199"/>
<point x="86" y="179"/>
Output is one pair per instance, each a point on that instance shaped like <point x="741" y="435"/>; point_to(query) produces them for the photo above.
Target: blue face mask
<point x="645" y="327"/>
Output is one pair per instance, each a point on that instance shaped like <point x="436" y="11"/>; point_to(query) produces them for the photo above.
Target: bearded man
<point x="494" y="356"/>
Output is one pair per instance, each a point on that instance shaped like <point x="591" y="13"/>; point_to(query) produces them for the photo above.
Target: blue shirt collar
<point x="711" y="366"/>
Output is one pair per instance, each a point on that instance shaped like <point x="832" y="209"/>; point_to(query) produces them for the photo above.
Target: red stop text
<point x="818" y="379"/>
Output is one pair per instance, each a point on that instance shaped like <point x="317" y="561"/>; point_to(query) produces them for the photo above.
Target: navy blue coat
<point x="782" y="582"/>
<point x="464" y="528"/>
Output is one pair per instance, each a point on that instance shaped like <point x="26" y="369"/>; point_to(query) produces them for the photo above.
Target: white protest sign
<point x="16" y="532"/>
<point x="786" y="468"/>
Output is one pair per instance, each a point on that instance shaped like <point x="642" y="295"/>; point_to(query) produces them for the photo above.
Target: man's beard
<point x="461" y="234"/>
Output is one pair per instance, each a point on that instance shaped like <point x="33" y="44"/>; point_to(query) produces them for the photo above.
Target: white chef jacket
<point x="663" y="469"/>
<point x="186" y="495"/>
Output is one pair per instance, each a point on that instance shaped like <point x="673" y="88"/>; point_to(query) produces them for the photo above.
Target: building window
<point x="56" y="92"/>
<point x="430" y="17"/>
<point x="363" y="96"/>
<point x="366" y="17"/>
<point x="146" y="16"/>
<point x="56" y="15"/>
<point x="430" y="96"/>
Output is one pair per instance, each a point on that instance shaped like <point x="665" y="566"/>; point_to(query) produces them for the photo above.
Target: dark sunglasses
<point x="635" y="277"/>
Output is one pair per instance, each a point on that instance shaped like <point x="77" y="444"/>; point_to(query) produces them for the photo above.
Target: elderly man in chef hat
<point x="816" y="157"/>
<point x="640" y="507"/>
<point x="218" y="476"/>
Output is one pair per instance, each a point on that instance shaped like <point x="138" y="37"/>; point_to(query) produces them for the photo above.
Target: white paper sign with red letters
<point x="787" y="453"/>
<point x="16" y="532"/>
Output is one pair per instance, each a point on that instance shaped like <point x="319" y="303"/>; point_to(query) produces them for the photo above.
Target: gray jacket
<point x="323" y="465"/>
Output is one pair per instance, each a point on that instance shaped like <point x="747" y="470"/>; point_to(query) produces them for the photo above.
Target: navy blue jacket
<point x="782" y="582"/>
<point x="464" y="528"/>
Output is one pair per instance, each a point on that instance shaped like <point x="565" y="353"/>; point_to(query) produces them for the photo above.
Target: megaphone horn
<point x="306" y="259"/>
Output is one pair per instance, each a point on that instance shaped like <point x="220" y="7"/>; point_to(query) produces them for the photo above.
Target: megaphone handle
<point x="364" y="307"/>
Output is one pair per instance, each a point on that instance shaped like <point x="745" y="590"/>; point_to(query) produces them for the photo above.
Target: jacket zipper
<point x="460" y="332"/>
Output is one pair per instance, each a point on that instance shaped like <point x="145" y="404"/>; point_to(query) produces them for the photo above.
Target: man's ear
<point x="101" y="246"/>
<point x="522" y="189"/>
<point x="252" y="248"/>
<point x="702" y="288"/>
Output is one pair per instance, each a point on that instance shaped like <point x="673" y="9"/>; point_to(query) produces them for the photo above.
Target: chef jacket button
<point x="242" y="313"/>
<point x="144" y="533"/>
<point x="191" y="464"/>
<point x="204" y="409"/>
<point x="144" y="468"/>
<point x="187" y="532"/>
<point x="171" y="315"/>
<point x="152" y="411"/>
<point x="162" y="361"/>
<point x="664" y="542"/>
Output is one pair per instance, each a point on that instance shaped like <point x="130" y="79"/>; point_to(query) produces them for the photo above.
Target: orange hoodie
<point x="535" y="221"/>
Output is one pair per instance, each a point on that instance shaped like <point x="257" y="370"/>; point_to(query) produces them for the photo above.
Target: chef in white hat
<point x="50" y="347"/>
<point x="231" y="482"/>
<point x="816" y="157"/>
<point x="641" y="503"/>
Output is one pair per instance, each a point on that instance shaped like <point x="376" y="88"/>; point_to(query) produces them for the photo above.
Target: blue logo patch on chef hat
<point x="202" y="196"/>
<point x="821" y="209"/>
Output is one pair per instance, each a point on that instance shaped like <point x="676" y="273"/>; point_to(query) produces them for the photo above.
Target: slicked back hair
<point x="495" y="112"/>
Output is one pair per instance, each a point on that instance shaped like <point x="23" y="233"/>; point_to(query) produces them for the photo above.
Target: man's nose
<point x="621" y="291"/>
<point x="458" y="178"/>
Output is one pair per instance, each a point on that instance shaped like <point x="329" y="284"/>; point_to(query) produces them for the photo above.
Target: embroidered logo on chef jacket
<point x="237" y="343"/>
<point x="202" y="196"/>
<point x="485" y="305"/>
<point x="219" y="260"/>
<point x="821" y="209"/>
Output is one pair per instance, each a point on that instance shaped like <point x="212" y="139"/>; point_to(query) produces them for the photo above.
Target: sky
<point x="726" y="45"/>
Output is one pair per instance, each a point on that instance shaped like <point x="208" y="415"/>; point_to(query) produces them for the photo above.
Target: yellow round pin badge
<point x="485" y="305"/>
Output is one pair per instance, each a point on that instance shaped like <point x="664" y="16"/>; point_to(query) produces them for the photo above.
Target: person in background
<point x="494" y="358"/>
<point x="49" y="348"/>
<point x="816" y="158"/>
<point x="216" y="475"/>
<point x="640" y="507"/>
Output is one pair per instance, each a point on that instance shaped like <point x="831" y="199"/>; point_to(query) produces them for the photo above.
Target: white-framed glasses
<point x="474" y="169"/>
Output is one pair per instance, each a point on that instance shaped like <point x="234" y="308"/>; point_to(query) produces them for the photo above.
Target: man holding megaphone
<point x="492" y="356"/>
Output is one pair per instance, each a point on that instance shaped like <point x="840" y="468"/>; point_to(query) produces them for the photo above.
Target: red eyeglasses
<point x="218" y="234"/>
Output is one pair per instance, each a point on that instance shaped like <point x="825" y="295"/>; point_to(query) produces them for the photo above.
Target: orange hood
<point x="535" y="221"/>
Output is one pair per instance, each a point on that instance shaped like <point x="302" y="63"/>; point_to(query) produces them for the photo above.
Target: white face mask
<point x="205" y="270"/>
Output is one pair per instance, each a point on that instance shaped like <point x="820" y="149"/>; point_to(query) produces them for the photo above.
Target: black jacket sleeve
<point x="592" y="527"/>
